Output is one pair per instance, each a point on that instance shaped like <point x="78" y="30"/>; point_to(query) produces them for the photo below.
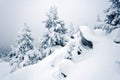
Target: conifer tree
<point x="112" y="19"/>
<point x="23" y="53"/>
<point x="55" y="35"/>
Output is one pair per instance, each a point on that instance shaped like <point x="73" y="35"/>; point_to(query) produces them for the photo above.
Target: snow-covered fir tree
<point x="98" y="18"/>
<point x="24" y="52"/>
<point x="112" y="19"/>
<point x="55" y="35"/>
<point x="99" y="23"/>
<point x="71" y="30"/>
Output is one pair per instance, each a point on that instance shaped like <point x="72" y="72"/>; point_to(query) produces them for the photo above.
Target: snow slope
<point x="99" y="64"/>
<point x="4" y="70"/>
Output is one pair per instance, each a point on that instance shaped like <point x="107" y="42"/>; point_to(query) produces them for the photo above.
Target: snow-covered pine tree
<point x="55" y="35"/>
<point x="98" y="18"/>
<point x="24" y="52"/>
<point x="99" y="24"/>
<point x="71" y="31"/>
<point x="112" y="19"/>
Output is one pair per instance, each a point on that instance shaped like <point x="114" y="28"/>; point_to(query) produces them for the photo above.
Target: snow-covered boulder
<point x="86" y="35"/>
<point x="87" y="32"/>
<point x="115" y="35"/>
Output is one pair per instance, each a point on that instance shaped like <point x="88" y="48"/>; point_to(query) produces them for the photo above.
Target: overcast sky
<point x="13" y="13"/>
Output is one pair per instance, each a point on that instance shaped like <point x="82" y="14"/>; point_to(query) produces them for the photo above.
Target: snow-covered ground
<point x="4" y="70"/>
<point x="100" y="63"/>
<point x="101" y="66"/>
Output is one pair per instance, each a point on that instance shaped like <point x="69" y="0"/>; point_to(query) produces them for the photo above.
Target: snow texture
<point x="99" y="63"/>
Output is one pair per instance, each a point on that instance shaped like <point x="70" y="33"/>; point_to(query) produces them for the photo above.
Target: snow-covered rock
<point x="87" y="32"/>
<point x="115" y="35"/>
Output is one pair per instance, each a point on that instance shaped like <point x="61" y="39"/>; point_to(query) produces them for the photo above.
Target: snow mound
<point x="115" y="35"/>
<point x="87" y="32"/>
<point x="100" y="32"/>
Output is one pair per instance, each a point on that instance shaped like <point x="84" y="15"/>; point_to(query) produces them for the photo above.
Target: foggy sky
<point x="13" y="13"/>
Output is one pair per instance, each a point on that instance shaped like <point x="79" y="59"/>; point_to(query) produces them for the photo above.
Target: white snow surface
<point x="97" y="64"/>
<point x="115" y="35"/>
<point x="4" y="70"/>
